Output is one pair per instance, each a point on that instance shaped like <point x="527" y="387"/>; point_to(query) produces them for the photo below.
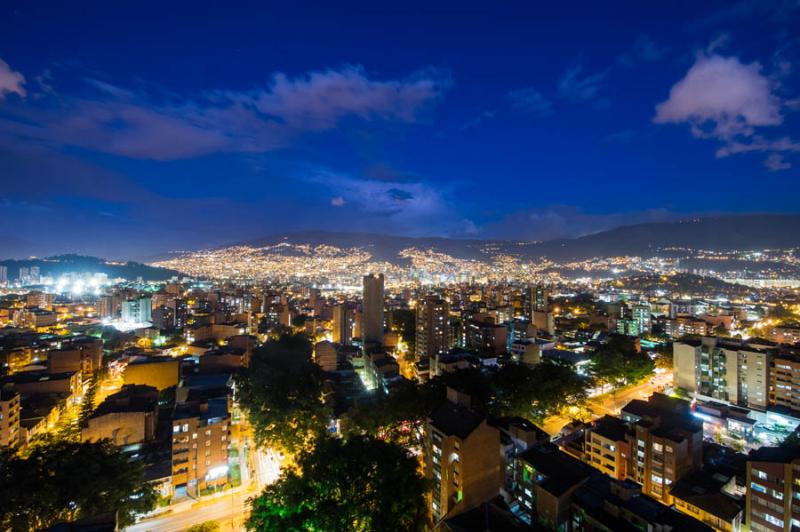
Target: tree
<point x="87" y="407"/>
<point x="281" y="390"/>
<point x="394" y="417"/>
<point x="206" y="526"/>
<point x="363" y="484"/>
<point x="664" y="356"/>
<point x="617" y="362"/>
<point x="406" y="322"/>
<point x="536" y="392"/>
<point x="63" y="481"/>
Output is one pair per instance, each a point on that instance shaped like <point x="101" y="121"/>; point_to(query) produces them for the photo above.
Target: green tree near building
<point x="617" y="362"/>
<point x="282" y="392"/>
<point x="205" y="526"/>
<point x="88" y="405"/>
<point x="536" y="392"/>
<point x="362" y="484"/>
<point x="63" y="481"/>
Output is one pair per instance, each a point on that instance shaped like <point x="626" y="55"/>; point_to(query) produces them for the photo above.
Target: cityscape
<point x="449" y="268"/>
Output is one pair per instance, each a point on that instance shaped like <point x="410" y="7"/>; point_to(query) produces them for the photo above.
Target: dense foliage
<point x="618" y="362"/>
<point x="64" y="481"/>
<point x="363" y="484"/>
<point x="514" y="390"/>
<point x="281" y="390"/>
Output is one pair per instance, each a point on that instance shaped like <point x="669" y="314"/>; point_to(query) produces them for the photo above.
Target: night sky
<point x="127" y="130"/>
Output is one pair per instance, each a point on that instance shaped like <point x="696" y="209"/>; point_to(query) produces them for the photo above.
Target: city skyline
<point x="137" y="131"/>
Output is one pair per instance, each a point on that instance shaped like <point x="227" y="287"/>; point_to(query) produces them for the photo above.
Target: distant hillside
<point x="682" y="283"/>
<point x="721" y="233"/>
<point x="382" y="247"/>
<point x="61" y="264"/>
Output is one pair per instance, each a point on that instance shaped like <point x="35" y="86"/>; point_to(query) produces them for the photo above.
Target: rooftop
<point x="455" y="420"/>
<point x="782" y="455"/>
<point x="559" y="471"/>
<point x="703" y="489"/>
<point x="611" y="428"/>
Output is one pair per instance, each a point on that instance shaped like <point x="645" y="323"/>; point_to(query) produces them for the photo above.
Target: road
<point x="611" y="403"/>
<point x="229" y="510"/>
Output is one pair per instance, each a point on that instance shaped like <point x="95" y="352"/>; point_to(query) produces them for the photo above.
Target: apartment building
<point x="200" y="439"/>
<point x="9" y="418"/>
<point x="606" y="447"/>
<point x="732" y="371"/>
<point x="462" y="457"/>
<point x="773" y="489"/>
<point x="665" y="443"/>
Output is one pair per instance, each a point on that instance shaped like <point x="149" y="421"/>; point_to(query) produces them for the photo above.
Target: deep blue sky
<point x="138" y="128"/>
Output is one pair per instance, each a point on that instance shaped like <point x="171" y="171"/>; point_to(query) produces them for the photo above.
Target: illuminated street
<point x="611" y="403"/>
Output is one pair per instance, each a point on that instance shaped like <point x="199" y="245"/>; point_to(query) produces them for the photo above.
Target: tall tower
<point x="433" y="327"/>
<point x="372" y="327"/>
<point x="344" y="320"/>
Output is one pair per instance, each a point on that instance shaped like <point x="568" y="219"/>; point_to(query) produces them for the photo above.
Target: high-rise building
<point x="372" y="326"/>
<point x="773" y="489"/>
<point x="486" y="336"/>
<point x="462" y="457"/>
<point x="785" y="389"/>
<point x="433" y="327"/>
<point x="24" y="275"/>
<point x="137" y="310"/>
<point x="539" y="298"/>
<point x="35" y="277"/>
<point x="344" y="321"/>
<point x="724" y="369"/>
<point x="164" y="318"/>
<point x="105" y="306"/>
<point x="200" y="440"/>
<point x="3" y="274"/>
<point x="9" y="418"/>
<point x="664" y="443"/>
<point x="37" y="299"/>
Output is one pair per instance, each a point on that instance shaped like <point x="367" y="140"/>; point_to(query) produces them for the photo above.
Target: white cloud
<point x="338" y="201"/>
<point x="724" y="99"/>
<point x="140" y="125"/>
<point x="721" y="97"/>
<point x="11" y="82"/>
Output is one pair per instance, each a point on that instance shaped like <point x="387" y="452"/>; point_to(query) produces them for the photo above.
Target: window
<point x="773" y="520"/>
<point x="758" y="487"/>
<point x="760" y="474"/>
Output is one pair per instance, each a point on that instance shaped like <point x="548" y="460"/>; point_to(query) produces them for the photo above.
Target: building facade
<point x="372" y="313"/>
<point x="433" y="327"/>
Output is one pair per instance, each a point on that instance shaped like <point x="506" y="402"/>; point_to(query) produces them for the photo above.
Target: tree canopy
<point x="281" y="390"/>
<point x="362" y="484"/>
<point x="514" y="390"/>
<point x="618" y="362"/>
<point x="64" y="481"/>
<point x="537" y="392"/>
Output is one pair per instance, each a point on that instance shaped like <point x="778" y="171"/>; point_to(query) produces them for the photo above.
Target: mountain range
<point x="719" y="233"/>
<point x="751" y="232"/>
